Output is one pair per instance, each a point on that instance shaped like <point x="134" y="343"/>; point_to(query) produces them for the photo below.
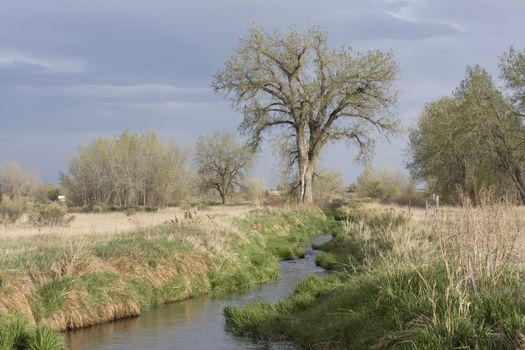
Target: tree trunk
<point x="306" y="168"/>
<point x="514" y="171"/>
<point x="306" y="176"/>
<point x="308" y="195"/>
<point x="222" y="193"/>
<point x="520" y="185"/>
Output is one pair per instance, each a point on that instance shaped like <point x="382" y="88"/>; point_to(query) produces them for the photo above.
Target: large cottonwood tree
<point x="310" y="94"/>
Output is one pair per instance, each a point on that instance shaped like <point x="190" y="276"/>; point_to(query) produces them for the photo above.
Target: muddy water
<point x="195" y="324"/>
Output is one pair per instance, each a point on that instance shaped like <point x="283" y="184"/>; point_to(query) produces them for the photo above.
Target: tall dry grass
<point x="478" y="243"/>
<point x="450" y="281"/>
<point x="111" y="223"/>
<point x="478" y="247"/>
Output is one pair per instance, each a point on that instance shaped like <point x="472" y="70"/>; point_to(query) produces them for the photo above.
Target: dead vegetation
<point x="111" y="223"/>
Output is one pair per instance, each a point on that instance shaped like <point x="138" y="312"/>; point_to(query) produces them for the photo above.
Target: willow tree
<point x="293" y="84"/>
<point x="512" y="73"/>
<point x="470" y="140"/>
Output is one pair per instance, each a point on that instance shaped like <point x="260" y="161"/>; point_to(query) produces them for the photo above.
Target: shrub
<point x="11" y="210"/>
<point x="389" y="186"/>
<point x="52" y="214"/>
<point x="327" y="185"/>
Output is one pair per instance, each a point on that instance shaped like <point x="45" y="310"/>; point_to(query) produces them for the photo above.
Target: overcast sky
<point x="71" y="71"/>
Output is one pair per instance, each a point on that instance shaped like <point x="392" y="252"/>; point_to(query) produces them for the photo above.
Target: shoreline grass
<point x="456" y="282"/>
<point x="82" y="282"/>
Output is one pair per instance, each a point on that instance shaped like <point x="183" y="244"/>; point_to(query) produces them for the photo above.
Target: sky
<point x="71" y="71"/>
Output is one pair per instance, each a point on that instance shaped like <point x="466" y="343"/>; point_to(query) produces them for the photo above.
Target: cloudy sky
<point x="71" y="71"/>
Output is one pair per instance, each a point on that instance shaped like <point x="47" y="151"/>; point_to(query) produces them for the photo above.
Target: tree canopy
<point x="293" y="84"/>
<point x="471" y="140"/>
<point x="16" y="180"/>
<point x="222" y="163"/>
<point x="127" y="171"/>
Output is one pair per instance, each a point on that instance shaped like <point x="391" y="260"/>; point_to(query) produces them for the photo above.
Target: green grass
<point x="387" y="304"/>
<point x="349" y="248"/>
<point x="77" y="285"/>
<point x="327" y="260"/>
<point x="16" y="334"/>
<point x="388" y="309"/>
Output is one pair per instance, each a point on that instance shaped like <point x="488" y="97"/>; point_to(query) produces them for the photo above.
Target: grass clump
<point x="17" y="334"/>
<point x="327" y="260"/>
<point x="51" y="214"/>
<point x="67" y="284"/>
<point x="452" y="282"/>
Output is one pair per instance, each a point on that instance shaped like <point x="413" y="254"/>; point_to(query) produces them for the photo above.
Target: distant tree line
<point x="16" y="181"/>
<point x="475" y="138"/>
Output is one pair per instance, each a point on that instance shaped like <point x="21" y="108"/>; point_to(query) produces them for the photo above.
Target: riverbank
<point x="82" y="281"/>
<point x="454" y="281"/>
<point x="197" y="323"/>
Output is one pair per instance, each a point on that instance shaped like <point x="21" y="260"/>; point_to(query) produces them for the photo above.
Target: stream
<point x="198" y="323"/>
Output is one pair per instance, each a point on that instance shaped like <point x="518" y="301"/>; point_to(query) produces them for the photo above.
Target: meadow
<point x="114" y="222"/>
<point x="57" y="282"/>
<point x="449" y="281"/>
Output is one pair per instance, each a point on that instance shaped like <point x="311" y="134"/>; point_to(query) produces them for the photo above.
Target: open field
<point x="116" y="222"/>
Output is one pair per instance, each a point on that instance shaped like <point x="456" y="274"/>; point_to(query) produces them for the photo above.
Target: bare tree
<point x="313" y="95"/>
<point x="327" y="184"/>
<point x="222" y="163"/>
<point x="16" y="180"/>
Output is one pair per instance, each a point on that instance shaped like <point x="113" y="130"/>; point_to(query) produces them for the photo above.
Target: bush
<point x="52" y="214"/>
<point x="327" y="185"/>
<point x="389" y="186"/>
<point x="11" y="210"/>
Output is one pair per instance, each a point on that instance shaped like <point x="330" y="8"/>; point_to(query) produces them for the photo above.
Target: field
<point x="115" y="222"/>
<point x="450" y="281"/>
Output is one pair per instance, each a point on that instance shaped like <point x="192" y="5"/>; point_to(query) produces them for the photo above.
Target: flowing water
<point x="195" y="324"/>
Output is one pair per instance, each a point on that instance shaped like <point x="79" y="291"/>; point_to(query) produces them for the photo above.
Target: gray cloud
<point x="20" y="61"/>
<point x="392" y="25"/>
<point x="70" y="71"/>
